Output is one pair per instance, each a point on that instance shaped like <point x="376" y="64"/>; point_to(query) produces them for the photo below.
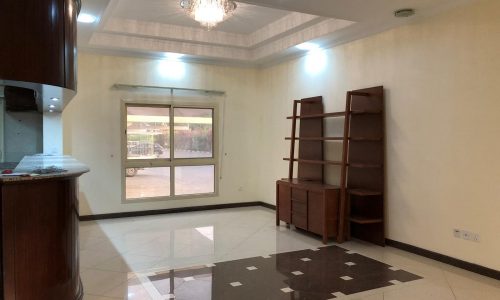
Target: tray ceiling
<point x="260" y="31"/>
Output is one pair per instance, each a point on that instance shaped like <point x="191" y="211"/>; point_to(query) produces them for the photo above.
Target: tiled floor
<point x="117" y="255"/>
<point x="312" y="274"/>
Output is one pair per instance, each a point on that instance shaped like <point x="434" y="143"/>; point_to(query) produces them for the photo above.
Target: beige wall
<point x="92" y="131"/>
<point x="442" y="82"/>
<point x="442" y="79"/>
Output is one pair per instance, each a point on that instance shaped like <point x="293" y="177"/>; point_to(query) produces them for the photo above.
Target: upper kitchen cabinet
<point x="39" y="46"/>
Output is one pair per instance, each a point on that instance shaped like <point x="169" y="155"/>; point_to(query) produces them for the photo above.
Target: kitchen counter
<point x="30" y="164"/>
<point x="39" y="230"/>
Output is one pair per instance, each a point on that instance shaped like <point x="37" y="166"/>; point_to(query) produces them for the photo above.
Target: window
<point x="169" y="151"/>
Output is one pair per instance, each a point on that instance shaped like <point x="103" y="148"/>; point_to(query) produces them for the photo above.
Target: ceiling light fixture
<point x="307" y="46"/>
<point x="173" y="56"/>
<point x="404" y="13"/>
<point x="86" y="18"/>
<point x="209" y="13"/>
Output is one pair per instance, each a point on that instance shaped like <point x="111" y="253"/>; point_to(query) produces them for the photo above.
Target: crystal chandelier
<point x="209" y="13"/>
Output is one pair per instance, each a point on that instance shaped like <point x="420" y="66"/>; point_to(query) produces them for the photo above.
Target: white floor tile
<point x="111" y="250"/>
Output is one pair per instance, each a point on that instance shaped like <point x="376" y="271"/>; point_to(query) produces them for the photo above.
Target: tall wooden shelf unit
<point x="356" y="207"/>
<point x="364" y="198"/>
<point x="306" y="201"/>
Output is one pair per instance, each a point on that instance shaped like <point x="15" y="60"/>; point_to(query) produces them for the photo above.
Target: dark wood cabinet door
<point x="285" y="203"/>
<point x="40" y="230"/>
<point x="315" y="212"/>
<point x="38" y="41"/>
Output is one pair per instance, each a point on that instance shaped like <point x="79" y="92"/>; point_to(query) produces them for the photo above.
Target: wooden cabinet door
<point x="284" y="203"/>
<point x="315" y="212"/>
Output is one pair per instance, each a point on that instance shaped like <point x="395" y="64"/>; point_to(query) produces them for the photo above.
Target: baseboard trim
<point x="495" y="274"/>
<point x="267" y="205"/>
<point x="172" y="210"/>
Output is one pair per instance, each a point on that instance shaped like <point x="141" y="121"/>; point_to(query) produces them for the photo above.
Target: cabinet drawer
<point x="299" y="220"/>
<point x="299" y="195"/>
<point x="299" y="207"/>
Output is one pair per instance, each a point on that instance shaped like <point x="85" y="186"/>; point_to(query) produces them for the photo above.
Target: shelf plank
<point x="309" y="100"/>
<point x="365" y="139"/>
<point x="366" y="112"/>
<point x="364" y="165"/>
<point x="336" y="138"/>
<point x="315" y="162"/>
<point x="337" y="114"/>
<point x="364" y="220"/>
<point x="316" y="138"/>
<point x="318" y="116"/>
<point x="353" y="93"/>
<point x="363" y="192"/>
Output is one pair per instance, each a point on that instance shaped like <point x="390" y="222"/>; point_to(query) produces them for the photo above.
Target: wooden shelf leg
<point x="277" y="205"/>
<point x="325" y="222"/>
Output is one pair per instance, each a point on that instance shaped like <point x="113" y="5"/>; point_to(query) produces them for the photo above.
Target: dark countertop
<point x="29" y="164"/>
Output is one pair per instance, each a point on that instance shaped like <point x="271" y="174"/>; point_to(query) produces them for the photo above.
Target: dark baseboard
<point x="267" y="205"/>
<point x="445" y="259"/>
<point x="173" y="210"/>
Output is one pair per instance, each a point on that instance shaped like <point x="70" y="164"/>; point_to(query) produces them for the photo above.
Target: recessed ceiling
<point x="246" y="19"/>
<point x="260" y="31"/>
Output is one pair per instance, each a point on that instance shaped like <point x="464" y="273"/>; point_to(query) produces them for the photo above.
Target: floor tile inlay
<point x="281" y="276"/>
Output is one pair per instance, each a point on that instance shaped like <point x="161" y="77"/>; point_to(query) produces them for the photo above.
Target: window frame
<point x="170" y="162"/>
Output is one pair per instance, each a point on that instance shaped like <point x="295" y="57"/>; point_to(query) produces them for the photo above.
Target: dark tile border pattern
<point x="313" y="274"/>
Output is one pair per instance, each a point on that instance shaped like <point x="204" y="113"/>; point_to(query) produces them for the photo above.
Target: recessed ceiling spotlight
<point x="86" y="18"/>
<point x="52" y="106"/>
<point x="307" y="46"/>
<point x="173" y="56"/>
<point x="54" y="99"/>
<point x="51" y="110"/>
<point x="404" y="13"/>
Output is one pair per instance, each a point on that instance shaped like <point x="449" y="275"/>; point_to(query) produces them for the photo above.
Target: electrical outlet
<point x="466" y="235"/>
<point x="475" y="237"/>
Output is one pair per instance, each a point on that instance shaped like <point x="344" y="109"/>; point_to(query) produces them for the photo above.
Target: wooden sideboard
<point x="307" y="205"/>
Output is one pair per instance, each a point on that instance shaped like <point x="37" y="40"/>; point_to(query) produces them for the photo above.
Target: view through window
<point x="170" y="151"/>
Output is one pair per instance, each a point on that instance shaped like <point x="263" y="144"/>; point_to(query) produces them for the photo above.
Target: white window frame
<point x="171" y="161"/>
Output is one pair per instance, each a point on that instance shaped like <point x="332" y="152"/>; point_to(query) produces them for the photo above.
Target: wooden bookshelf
<point x="364" y="178"/>
<point x="306" y="201"/>
<point x="356" y="207"/>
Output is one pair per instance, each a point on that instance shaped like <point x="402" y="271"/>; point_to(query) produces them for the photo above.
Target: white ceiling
<point x="260" y="31"/>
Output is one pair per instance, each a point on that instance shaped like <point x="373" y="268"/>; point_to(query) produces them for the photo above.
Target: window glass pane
<point x="147" y="182"/>
<point x="148" y="132"/>
<point x="194" y="180"/>
<point x="193" y="132"/>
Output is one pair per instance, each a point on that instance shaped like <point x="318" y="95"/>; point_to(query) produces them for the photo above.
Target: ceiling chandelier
<point x="209" y="13"/>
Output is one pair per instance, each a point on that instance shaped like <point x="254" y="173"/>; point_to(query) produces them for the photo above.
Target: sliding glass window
<point x="169" y="152"/>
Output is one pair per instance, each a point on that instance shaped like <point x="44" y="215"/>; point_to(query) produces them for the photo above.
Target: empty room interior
<point x="254" y="149"/>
